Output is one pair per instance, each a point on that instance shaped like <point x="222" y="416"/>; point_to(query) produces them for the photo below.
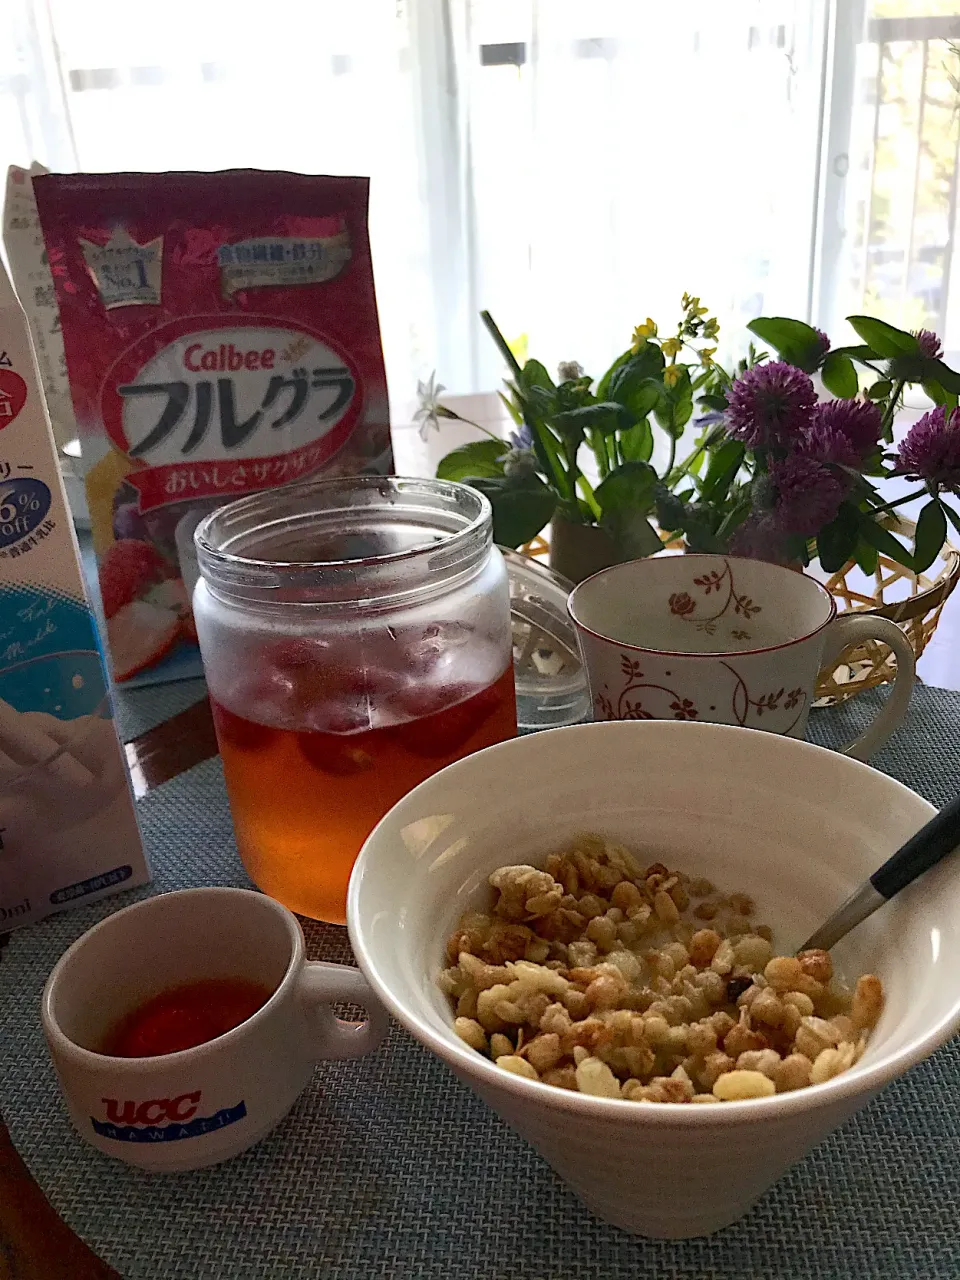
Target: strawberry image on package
<point x="221" y="337"/>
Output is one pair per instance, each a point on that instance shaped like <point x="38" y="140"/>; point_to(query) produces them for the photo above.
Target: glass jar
<point x="356" y="638"/>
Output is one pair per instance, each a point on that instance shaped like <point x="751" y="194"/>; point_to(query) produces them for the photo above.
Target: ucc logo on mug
<point x="162" y="1119"/>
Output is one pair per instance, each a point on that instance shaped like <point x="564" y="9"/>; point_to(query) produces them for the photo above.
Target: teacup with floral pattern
<point x="707" y="637"/>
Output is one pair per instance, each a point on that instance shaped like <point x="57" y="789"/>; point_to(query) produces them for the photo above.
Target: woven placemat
<point x="389" y="1167"/>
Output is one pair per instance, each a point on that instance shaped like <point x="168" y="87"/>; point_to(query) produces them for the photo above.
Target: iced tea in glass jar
<point x="356" y="638"/>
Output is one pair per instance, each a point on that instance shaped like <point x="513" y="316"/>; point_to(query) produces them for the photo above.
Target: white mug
<point x="198" y="1106"/>
<point x="725" y="640"/>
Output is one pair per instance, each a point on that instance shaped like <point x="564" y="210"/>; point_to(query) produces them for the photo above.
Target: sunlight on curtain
<point x="633" y="151"/>
<point x="572" y="166"/>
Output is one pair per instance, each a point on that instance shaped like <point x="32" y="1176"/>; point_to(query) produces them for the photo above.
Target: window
<point x="571" y="166"/>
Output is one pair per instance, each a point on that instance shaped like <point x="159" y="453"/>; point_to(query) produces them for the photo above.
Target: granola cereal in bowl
<point x="627" y="982"/>
<point x="600" y="975"/>
<point x="631" y="1003"/>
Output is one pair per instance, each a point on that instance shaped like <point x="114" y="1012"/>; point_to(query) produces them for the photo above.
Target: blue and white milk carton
<point x="68" y="833"/>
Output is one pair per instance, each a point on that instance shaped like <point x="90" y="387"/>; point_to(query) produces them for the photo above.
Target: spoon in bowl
<point x="930" y="845"/>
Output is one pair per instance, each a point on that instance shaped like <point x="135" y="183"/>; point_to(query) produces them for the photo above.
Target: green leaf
<point x="540" y="400"/>
<point x="860" y="352"/>
<point x="725" y="462"/>
<point x="636" y="443"/>
<point x="534" y="374"/>
<point x="607" y="417"/>
<point x="839" y="376"/>
<point x="603" y="386"/>
<point x="717" y="403"/>
<point x="670" y="509"/>
<point x="676" y="405"/>
<point x="910" y="369"/>
<point x="867" y="558"/>
<point x="522" y="505"/>
<point x="945" y="375"/>
<point x="636" y="383"/>
<point x="883" y="338"/>
<point x="837" y="541"/>
<point x="629" y="487"/>
<point x="939" y="395"/>
<point x="952" y="516"/>
<point x="880" y="389"/>
<point x="479" y="458"/>
<point x="797" y="343"/>
<point x="883" y="540"/>
<point x="512" y="408"/>
<point x="931" y="535"/>
<point x="626" y="498"/>
<point x="641" y="398"/>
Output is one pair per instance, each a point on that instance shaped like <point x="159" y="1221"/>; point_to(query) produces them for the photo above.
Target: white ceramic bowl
<point x="795" y="826"/>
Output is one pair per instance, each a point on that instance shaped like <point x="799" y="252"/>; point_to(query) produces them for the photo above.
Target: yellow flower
<point x="642" y="332"/>
<point x="686" y="300"/>
<point x="671" y="346"/>
<point x="706" y="355"/>
<point x="671" y="374"/>
<point x="711" y="327"/>
<point x="692" y="304"/>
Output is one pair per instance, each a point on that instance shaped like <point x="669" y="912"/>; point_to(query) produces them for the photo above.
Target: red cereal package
<point x="221" y="336"/>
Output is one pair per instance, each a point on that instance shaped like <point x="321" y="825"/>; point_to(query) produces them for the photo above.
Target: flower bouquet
<point x="774" y="473"/>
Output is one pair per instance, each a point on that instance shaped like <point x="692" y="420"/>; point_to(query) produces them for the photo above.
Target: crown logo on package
<point x="126" y="273"/>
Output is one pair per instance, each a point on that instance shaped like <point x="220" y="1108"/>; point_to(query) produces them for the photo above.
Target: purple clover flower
<point x="929" y="343"/>
<point x="796" y="498"/>
<point x="843" y="431"/>
<point x="824" y="341"/>
<point x="930" y="450"/>
<point x="770" y="404"/>
<point x="808" y="495"/>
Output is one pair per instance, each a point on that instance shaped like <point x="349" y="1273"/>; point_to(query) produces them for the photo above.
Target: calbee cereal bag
<point x="221" y="337"/>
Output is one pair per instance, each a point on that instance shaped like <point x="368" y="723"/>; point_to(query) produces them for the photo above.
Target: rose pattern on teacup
<point x="665" y="702"/>
<point x="683" y="605"/>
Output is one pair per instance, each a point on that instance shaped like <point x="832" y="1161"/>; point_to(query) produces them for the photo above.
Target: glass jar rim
<point x="461" y="535"/>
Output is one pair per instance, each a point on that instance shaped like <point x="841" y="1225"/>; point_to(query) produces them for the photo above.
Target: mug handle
<point x="322" y="985"/>
<point x="854" y="629"/>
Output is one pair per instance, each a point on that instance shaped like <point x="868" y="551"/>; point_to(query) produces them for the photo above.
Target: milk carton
<point x="68" y="833"/>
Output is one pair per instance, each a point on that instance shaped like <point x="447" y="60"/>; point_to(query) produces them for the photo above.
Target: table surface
<point x="168" y="730"/>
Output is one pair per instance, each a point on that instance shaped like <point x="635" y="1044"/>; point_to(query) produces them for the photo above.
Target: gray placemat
<point x="138" y="710"/>
<point x="389" y="1167"/>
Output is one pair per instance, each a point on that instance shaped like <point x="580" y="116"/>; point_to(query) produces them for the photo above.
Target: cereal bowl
<point x="795" y="826"/>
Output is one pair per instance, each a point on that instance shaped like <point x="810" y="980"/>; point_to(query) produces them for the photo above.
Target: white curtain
<point x="573" y="166"/>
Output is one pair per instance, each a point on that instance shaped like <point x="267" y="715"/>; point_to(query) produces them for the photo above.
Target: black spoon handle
<point x="939" y="837"/>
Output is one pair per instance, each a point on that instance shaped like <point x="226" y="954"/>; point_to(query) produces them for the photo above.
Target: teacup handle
<point x="854" y="629"/>
<point x="322" y="985"/>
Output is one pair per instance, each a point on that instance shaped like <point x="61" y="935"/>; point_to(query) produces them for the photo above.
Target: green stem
<point x="501" y="342"/>
<point x="448" y="413"/>
<point x="584" y="485"/>
<point x="898" y="502"/>
<point x="548" y="454"/>
<point x="673" y="454"/>
<point x="891" y="409"/>
<point x="598" y="447"/>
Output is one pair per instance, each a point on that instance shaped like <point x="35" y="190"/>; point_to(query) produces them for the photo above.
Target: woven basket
<point x="913" y="601"/>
